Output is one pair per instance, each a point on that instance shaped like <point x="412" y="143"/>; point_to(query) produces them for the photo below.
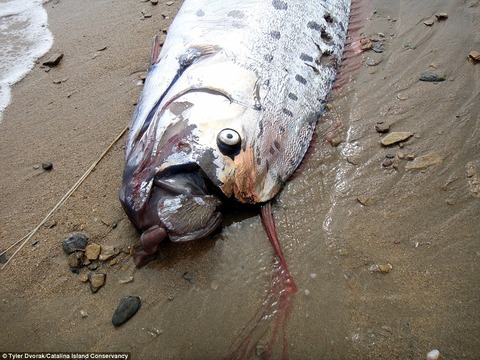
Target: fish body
<point x="228" y="108"/>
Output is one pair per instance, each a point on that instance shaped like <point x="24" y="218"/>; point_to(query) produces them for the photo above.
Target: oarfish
<point x="227" y="111"/>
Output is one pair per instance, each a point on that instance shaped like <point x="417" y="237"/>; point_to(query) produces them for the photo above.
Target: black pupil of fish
<point x="229" y="135"/>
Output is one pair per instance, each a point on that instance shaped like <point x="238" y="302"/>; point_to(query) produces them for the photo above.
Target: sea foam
<point x="24" y="37"/>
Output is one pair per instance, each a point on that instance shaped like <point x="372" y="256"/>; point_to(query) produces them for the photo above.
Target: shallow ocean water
<point x="24" y="37"/>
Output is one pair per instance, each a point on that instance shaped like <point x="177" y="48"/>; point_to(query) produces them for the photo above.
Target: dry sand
<point x="419" y="224"/>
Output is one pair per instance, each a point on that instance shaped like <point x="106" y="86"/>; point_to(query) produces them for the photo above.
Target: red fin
<point x="269" y="225"/>
<point x="278" y="302"/>
<point x="360" y="13"/>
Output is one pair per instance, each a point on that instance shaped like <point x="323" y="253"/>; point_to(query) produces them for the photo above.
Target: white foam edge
<point x="38" y="33"/>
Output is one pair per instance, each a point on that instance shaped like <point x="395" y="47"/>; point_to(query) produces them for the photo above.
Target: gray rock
<point x="127" y="307"/>
<point x="75" y="242"/>
<point x="53" y="60"/>
<point x="432" y="76"/>
<point x="382" y="128"/>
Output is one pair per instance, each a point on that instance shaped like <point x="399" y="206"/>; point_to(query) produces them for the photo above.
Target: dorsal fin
<point x="360" y="12"/>
<point x="157" y="44"/>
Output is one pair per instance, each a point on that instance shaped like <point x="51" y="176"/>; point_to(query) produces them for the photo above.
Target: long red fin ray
<point x="278" y="302"/>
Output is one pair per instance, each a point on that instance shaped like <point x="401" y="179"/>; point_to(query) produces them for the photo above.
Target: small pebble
<point x="154" y="2"/>
<point x="53" y="60"/>
<point x="3" y="259"/>
<point x="429" y="22"/>
<point x="93" y="265"/>
<point x="127" y="307"/>
<point x="83" y="313"/>
<point x="433" y="355"/>
<point x="50" y="224"/>
<point x="383" y="268"/>
<point x="432" y="76"/>
<point x="441" y="16"/>
<point x="214" y="285"/>
<point x="387" y="162"/>
<point x="382" y="128"/>
<point x="113" y="262"/>
<point x="365" y="200"/>
<point x="146" y="14"/>
<point x="187" y="276"/>
<point x="97" y="280"/>
<point x="373" y="61"/>
<point x="76" y="241"/>
<point x="108" y="252"/>
<point x="75" y="259"/>
<point x="126" y="281"/>
<point x="396" y="137"/>
<point x="169" y="3"/>
<point x="378" y="47"/>
<point x="387" y="329"/>
<point x="92" y="251"/>
<point x="47" y="166"/>
<point x="474" y="56"/>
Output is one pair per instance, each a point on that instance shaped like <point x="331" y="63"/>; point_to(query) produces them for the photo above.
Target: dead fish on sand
<point x="228" y="110"/>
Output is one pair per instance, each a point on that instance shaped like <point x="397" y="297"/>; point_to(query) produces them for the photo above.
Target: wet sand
<point x="419" y="225"/>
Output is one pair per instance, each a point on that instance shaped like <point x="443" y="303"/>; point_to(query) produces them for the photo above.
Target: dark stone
<point x="3" y="259"/>
<point x="187" y="276"/>
<point x="125" y="310"/>
<point x="387" y="162"/>
<point x="47" y="166"/>
<point x="76" y="241"/>
<point x="432" y="76"/>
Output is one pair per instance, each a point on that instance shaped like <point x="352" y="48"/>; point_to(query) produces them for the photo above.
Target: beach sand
<point x="394" y="278"/>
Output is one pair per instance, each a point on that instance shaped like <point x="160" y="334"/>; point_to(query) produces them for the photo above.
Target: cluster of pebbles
<point x="81" y="254"/>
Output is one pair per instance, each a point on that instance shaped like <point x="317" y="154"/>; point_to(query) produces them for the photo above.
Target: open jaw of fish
<point x="228" y="110"/>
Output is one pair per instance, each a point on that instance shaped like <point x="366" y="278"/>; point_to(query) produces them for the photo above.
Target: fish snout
<point x="179" y="206"/>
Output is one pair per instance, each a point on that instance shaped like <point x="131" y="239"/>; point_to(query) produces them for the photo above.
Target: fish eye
<point x="229" y="142"/>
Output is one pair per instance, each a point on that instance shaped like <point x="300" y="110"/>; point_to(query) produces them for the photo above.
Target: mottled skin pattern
<point x="262" y="68"/>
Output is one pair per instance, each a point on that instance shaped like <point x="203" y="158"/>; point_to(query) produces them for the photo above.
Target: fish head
<point x="197" y="147"/>
<point x="186" y="161"/>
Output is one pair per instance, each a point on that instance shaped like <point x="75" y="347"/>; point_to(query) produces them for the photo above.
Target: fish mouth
<point x="185" y="203"/>
<point x="181" y="205"/>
